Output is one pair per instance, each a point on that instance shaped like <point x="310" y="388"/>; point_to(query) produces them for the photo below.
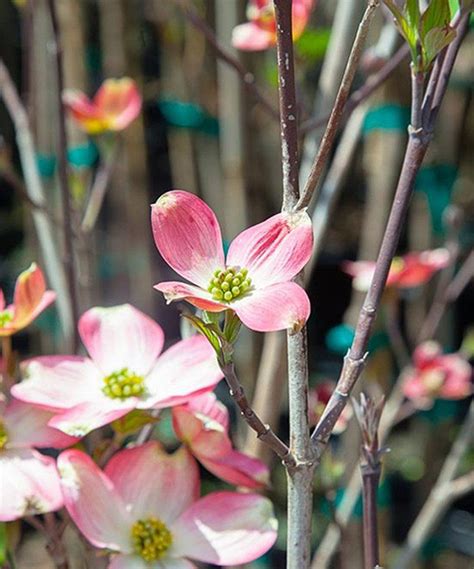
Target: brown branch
<point x="338" y="108"/>
<point x="264" y="432"/>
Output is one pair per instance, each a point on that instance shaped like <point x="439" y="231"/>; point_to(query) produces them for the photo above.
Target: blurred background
<point x="202" y="130"/>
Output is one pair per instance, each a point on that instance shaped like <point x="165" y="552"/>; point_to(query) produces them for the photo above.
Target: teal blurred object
<point x="386" y="117"/>
<point x="188" y="115"/>
<point x="83" y="156"/>
<point x="339" y="340"/>
<point x="437" y="182"/>
<point x="383" y="500"/>
<point x="443" y="410"/>
<point x="46" y="164"/>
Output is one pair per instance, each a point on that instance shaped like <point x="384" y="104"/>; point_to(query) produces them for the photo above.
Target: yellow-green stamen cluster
<point x="228" y="284"/>
<point x="122" y="384"/>
<point x="3" y="435"/>
<point x="5" y="317"/>
<point x="151" y="539"/>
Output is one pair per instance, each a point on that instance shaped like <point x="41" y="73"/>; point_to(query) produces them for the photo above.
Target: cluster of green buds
<point x="228" y="284"/>
<point x="5" y="317"/>
<point x="151" y="539"/>
<point x="122" y="384"/>
<point x="3" y="435"/>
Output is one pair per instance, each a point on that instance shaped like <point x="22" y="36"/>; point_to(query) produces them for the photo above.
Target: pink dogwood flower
<point x="29" y="300"/>
<point x="435" y="375"/>
<point x="255" y="278"/>
<point x="145" y="508"/>
<point x="29" y="480"/>
<point x="203" y="425"/>
<point x="411" y="270"/>
<point x="318" y="398"/>
<point x="259" y="32"/>
<point x="126" y="370"/>
<point x="116" y="104"/>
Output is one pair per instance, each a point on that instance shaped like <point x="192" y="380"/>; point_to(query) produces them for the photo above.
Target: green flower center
<point x="122" y="384"/>
<point x="228" y="284"/>
<point x="5" y="317"/>
<point x="3" y="435"/>
<point x="151" y="539"/>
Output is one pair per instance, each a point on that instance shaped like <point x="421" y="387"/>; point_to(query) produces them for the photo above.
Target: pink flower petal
<point x="30" y="297"/>
<point x="209" y="406"/>
<point x="30" y="484"/>
<point x="251" y="37"/>
<point x="135" y="562"/>
<point x="258" y="310"/>
<point x="225" y="528"/>
<point x="188" y="236"/>
<point x="119" y="100"/>
<point x="2" y="300"/>
<point x="121" y="337"/>
<point x="93" y="503"/>
<point x="426" y="353"/>
<point x="57" y="382"/>
<point x="275" y="250"/>
<point x="152" y="482"/>
<point x="196" y="296"/>
<point x="186" y="369"/>
<point x="237" y="468"/>
<point x="87" y="416"/>
<point x="27" y="426"/>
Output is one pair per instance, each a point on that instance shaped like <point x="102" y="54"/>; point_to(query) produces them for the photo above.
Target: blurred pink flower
<point x="145" y="508"/>
<point x="116" y="104"/>
<point x="203" y="425"/>
<point x="411" y="270"/>
<point x="29" y="300"/>
<point x="125" y="371"/>
<point x="318" y="398"/>
<point x="254" y="280"/>
<point x="29" y="480"/>
<point x="435" y="375"/>
<point x="259" y="32"/>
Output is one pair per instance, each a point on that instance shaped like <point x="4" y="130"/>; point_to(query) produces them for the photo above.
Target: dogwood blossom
<point x="29" y="300"/>
<point x="145" y="508"/>
<point x="259" y="32"/>
<point x="255" y="278"/>
<point x="411" y="270"/>
<point x="203" y="425"/>
<point x="29" y="479"/>
<point x="116" y="104"/>
<point x="126" y="370"/>
<point x="435" y="375"/>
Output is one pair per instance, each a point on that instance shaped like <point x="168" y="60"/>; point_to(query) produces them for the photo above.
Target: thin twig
<point x="372" y="83"/>
<point x="63" y="176"/>
<point x="264" y="432"/>
<point x="99" y="189"/>
<point x="46" y="235"/>
<point x="440" y="496"/>
<point x="338" y="109"/>
<point x="461" y="280"/>
<point x="248" y="79"/>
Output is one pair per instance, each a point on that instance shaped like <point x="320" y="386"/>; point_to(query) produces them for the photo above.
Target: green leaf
<point x="437" y="15"/>
<point x="133" y="421"/>
<point x="412" y="12"/>
<point x="404" y="27"/>
<point x="209" y="330"/>
<point x="3" y="542"/>
<point x="436" y="40"/>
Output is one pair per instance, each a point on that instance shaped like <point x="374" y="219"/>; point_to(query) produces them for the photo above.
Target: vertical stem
<point x="370" y="483"/>
<point x="64" y="177"/>
<point x="300" y="476"/>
